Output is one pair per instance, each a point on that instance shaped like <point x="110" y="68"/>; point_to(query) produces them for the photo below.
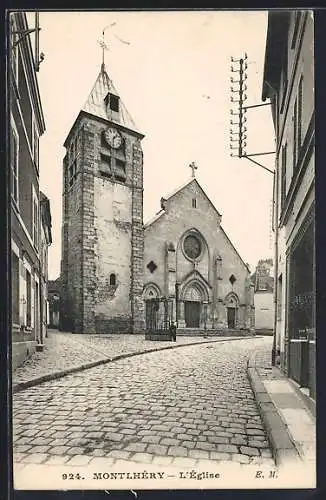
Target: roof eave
<point x="276" y="32"/>
<point x="82" y="112"/>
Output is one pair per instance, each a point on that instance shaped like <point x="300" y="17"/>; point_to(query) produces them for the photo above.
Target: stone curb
<point x="283" y="449"/>
<point x="20" y="386"/>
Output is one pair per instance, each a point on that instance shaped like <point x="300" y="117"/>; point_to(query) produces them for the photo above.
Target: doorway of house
<point x="192" y="314"/>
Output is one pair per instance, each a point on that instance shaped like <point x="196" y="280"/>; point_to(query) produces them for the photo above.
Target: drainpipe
<point x="273" y="93"/>
<point x="276" y="212"/>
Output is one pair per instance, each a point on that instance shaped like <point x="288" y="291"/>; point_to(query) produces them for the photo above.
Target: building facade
<point x="54" y="291"/>
<point x="263" y="281"/>
<point x="289" y="83"/>
<point x="102" y="230"/>
<point x="45" y="242"/>
<point x="190" y="263"/>
<point x="26" y="126"/>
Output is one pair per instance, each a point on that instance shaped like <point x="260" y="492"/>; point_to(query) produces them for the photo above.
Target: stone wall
<point x="181" y="216"/>
<point x="102" y="236"/>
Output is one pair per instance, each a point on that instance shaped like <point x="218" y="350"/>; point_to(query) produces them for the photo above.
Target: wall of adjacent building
<point x="264" y="311"/>
<point x="26" y="125"/>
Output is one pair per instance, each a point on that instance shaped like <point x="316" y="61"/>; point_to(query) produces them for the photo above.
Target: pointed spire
<point x="104" y="47"/>
<point x="96" y="102"/>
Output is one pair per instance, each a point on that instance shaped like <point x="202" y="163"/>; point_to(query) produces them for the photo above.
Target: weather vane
<point x="104" y="46"/>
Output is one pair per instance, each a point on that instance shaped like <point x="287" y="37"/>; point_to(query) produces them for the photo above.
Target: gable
<point x="229" y="242"/>
<point x="181" y="199"/>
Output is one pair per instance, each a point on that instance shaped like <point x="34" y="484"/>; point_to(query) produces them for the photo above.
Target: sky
<point x="172" y="71"/>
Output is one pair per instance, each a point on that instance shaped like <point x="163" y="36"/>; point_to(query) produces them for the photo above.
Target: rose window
<point x="192" y="246"/>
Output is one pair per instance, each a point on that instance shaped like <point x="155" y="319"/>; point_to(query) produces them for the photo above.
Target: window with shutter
<point x="35" y="218"/>
<point x="295" y="135"/>
<point x="15" y="287"/>
<point x="14" y="148"/>
<point x="35" y="143"/>
<point x="28" y="299"/>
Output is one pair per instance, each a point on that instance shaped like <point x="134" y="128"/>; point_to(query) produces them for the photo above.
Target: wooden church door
<point x="192" y="314"/>
<point x="231" y="317"/>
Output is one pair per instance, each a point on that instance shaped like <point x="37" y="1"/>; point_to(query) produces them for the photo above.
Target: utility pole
<point x="238" y="144"/>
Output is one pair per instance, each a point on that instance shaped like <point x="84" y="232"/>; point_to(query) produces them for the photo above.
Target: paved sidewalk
<point x="290" y="425"/>
<point x="66" y="353"/>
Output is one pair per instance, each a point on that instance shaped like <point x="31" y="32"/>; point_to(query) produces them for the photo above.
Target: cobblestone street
<point x="172" y="407"/>
<point x="66" y="350"/>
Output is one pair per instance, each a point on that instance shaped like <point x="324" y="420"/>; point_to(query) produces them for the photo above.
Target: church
<point x="121" y="276"/>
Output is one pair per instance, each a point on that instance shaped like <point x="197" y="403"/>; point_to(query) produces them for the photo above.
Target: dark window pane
<point x="114" y="103"/>
<point x="15" y="288"/>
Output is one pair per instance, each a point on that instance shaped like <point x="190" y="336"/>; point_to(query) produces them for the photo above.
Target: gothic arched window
<point x="113" y="279"/>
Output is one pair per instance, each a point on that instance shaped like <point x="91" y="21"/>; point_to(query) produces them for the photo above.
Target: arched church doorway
<point x="152" y="306"/>
<point x="192" y="305"/>
<point x="232" y="310"/>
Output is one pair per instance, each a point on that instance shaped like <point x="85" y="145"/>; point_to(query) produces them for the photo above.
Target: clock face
<point x="192" y="246"/>
<point x="113" y="138"/>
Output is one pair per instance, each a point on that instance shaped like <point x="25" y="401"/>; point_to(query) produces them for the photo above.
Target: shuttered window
<point x="28" y="299"/>
<point x="283" y="175"/>
<point x="15" y="287"/>
<point x="14" y="150"/>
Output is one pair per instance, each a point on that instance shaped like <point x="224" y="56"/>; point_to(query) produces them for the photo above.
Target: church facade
<point x="117" y="273"/>
<point x="190" y="261"/>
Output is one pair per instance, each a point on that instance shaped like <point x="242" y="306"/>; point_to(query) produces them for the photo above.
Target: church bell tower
<point x="102" y="227"/>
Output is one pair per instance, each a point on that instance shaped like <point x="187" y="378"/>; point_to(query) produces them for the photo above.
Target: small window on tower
<point x="194" y="203"/>
<point x="114" y="103"/>
<point x="120" y="170"/>
<point x="113" y="279"/>
<point x="105" y="166"/>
